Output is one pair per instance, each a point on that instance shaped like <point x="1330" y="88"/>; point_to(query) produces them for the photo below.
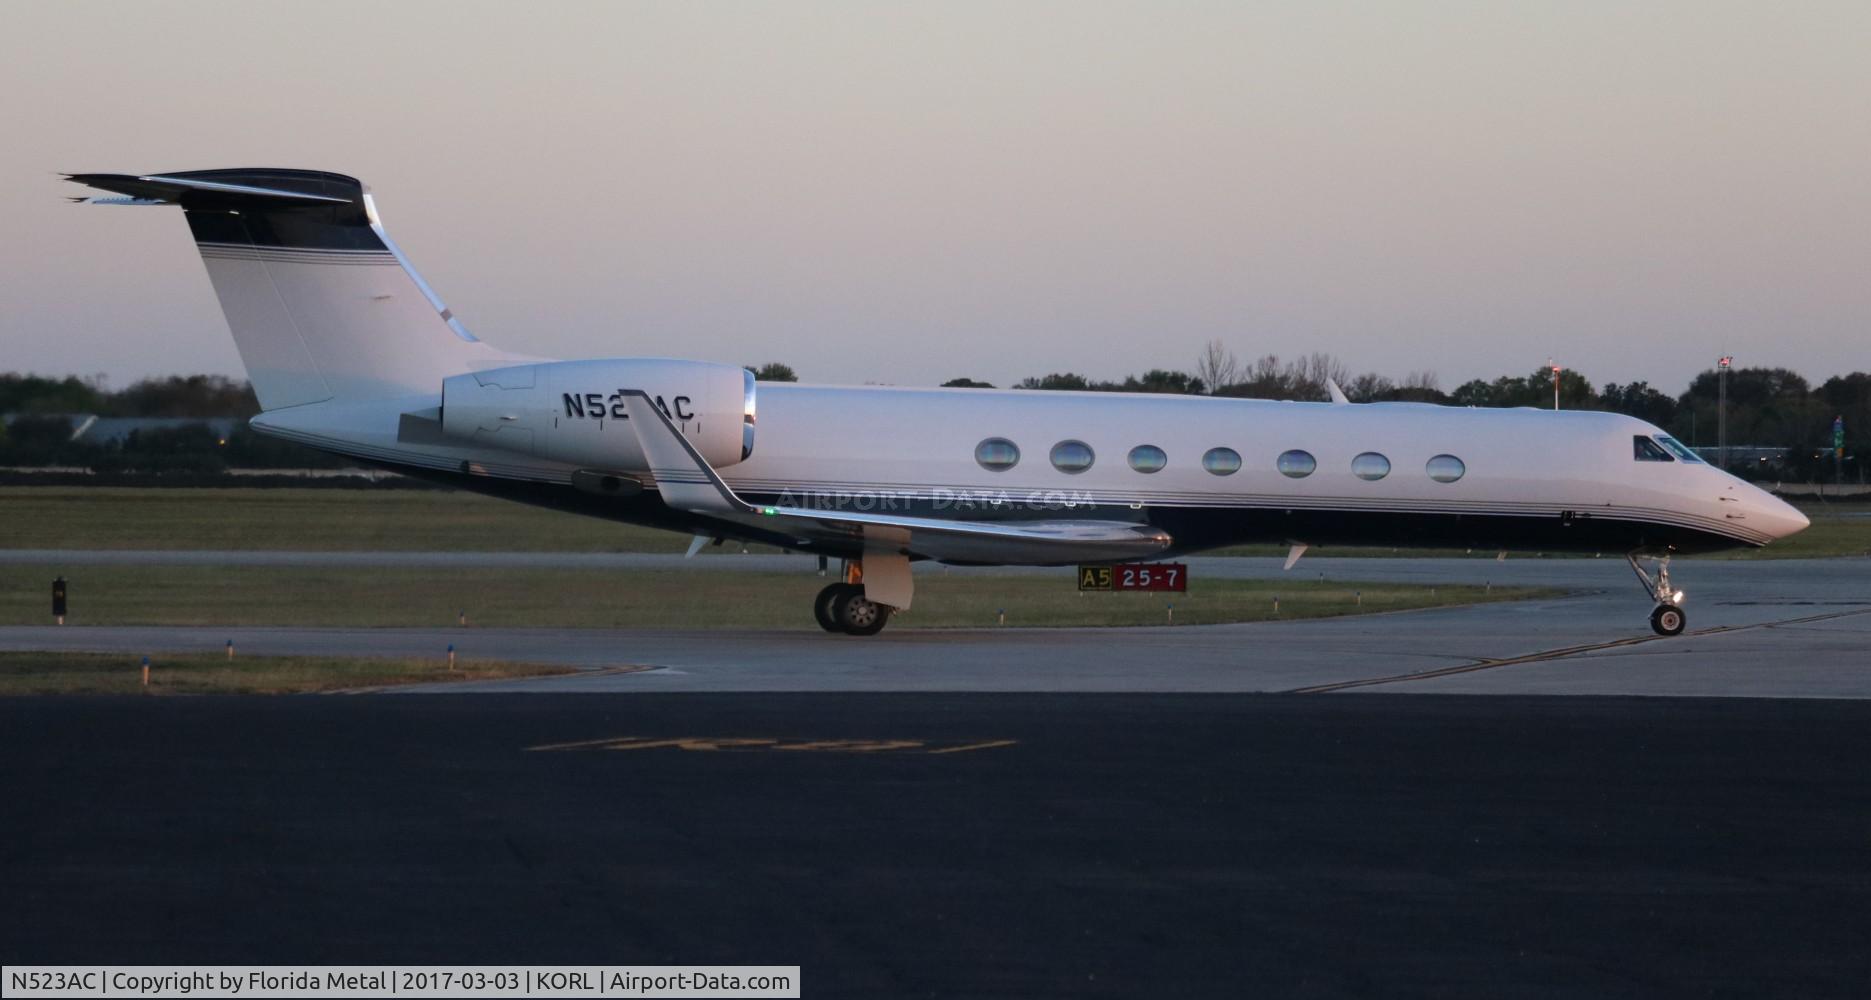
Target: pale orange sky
<point x="907" y="194"/>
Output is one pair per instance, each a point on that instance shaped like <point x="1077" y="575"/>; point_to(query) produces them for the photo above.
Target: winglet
<point x="683" y="476"/>
<point x="1337" y="394"/>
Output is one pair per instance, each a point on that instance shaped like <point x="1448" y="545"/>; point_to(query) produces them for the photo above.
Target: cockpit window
<point x="1646" y="450"/>
<point x="1678" y="449"/>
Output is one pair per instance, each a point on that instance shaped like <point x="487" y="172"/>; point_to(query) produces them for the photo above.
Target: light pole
<point x="1721" y="409"/>
<point x="1555" y="368"/>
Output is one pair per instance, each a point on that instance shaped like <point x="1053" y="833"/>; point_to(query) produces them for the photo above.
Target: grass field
<point x="57" y="517"/>
<point x="267" y="595"/>
<point x="105" y="673"/>
<point x="51" y="517"/>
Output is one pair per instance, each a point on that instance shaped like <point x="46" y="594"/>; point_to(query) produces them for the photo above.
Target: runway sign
<point x="1135" y="576"/>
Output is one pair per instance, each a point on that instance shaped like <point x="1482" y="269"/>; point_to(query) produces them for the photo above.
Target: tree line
<point x="1771" y="408"/>
<point x="1767" y="407"/>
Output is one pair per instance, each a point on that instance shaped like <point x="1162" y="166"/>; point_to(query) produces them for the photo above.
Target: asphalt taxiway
<point x="1008" y="812"/>
<point x="960" y="845"/>
<point x="1793" y="628"/>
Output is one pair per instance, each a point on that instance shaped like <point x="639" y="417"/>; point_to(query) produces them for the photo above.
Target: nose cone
<point x="1775" y="516"/>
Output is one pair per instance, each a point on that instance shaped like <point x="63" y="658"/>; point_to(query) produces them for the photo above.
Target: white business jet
<point x="351" y="352"/>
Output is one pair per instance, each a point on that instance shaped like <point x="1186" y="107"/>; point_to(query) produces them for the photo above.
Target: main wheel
<point x="822" y="604"/>
<point x="858" y="615"/>
<point x="1668" y="619"/>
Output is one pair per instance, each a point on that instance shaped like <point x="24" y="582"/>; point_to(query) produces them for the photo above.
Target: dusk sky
<point x="907" y="194"/>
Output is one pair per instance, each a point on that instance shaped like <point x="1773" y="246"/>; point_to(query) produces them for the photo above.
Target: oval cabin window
<point x="1370" y="466"/>
<point x="1297" y="464"/>
<point x="1148" y="458"/>
<point x="1072" y="456"/>
<point x="1222" y="461"/>
<point x="997" y="454"/>
<point x="1445" y="468"/>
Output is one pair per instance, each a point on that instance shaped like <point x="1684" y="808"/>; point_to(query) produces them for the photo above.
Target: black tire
<point x="822" y="605"/>
<point x="858" y="615"/>
<point x="1668" y="619"/>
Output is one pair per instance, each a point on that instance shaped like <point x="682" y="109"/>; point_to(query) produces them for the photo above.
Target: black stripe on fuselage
<point x="1194" y="528"/>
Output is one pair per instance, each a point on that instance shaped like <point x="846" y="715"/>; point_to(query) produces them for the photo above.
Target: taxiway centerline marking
<point x="1558" y="654"/>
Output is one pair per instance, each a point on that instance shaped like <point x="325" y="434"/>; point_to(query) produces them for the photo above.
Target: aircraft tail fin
<point x="321" y="303"/>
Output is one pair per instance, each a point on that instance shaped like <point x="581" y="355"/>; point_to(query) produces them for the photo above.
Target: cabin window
<point x="1222" y="461"/>
<point x="1445" y="468"/>
<point x="1148" y="458"/>
<point x="1297" y="464"/>
<point x="997" y="454"/>
<point x="1645" y="450"/>
<point x="1371" y="466"/>
<point x="1679" y="449"/>
<point x="1072" y="456"/>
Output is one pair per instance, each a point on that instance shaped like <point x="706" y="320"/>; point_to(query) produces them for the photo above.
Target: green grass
<point x="214" y="673"/>
<point x="104" y="517"/>
<point x="680" y="598"/>
<point x="1834" y="532"/>
<point x="49" y="517"/>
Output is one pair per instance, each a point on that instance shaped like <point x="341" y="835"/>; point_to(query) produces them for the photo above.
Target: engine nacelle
<point x="573" y="411"/>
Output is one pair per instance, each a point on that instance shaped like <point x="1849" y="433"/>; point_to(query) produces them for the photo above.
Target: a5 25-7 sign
<point x="1135" y="576"/>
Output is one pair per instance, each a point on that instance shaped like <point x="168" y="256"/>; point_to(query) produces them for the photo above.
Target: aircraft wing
<point x="688" y="482"/>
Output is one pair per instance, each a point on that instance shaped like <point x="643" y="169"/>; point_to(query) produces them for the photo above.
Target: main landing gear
<point x="1668" y="617"/>
<point x="874" y="587"/>
<point x="842" y="607"/>
<point x="847" y="606"/>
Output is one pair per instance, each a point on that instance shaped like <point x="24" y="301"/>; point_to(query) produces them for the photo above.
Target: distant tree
<point x="1161" y="380"/>
<point x="1217" y="366"/>
<point x="1056" y="380"/>
<point x="1416" y="387"/>
<point x="1369" y="387"/>
<point x="1420" y="387"/>
<point x="1473" y="392"/>
<point x="1849" y="396"/>
<point x="38" y="394"/>
<point x="773" y="371"/>
<point x="966" y="383"/>
<point x="184" y="396"/>
<point x="1770" y="407"/>
<point x="1268" y="378"/>
<point x="1638" y="399"/>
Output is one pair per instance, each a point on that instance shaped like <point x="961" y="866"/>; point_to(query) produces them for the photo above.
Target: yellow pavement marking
<point x="990" y="744"/>
<point x="764" y="743"/>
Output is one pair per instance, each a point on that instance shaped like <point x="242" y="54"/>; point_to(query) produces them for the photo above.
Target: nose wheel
<point x="1667" y="618"/>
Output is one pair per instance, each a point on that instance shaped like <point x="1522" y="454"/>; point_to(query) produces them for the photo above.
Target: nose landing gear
<point x="1667" y="618"/>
